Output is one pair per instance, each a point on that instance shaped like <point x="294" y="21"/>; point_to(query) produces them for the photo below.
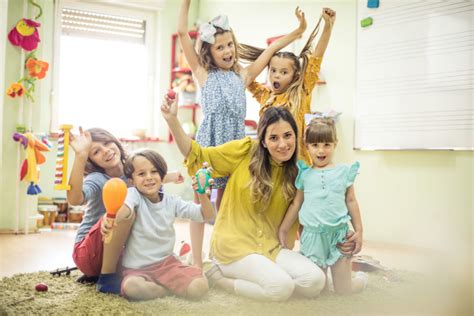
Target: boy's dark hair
<point x="152" y="156"/>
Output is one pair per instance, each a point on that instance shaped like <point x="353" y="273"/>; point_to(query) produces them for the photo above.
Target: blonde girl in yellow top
<point x="291" y="83"/>
<point x="249" y="258"/>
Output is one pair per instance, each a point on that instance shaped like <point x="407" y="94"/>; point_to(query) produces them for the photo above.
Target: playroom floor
<point x="52" y="250"/>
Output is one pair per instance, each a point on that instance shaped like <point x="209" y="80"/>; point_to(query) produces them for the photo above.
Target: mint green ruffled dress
<point x="324" y="213"/>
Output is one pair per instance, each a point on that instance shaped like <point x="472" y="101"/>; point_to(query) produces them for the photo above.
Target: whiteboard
<point x="415" y="76"/>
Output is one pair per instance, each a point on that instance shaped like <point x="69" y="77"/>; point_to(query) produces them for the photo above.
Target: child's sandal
<point x="213" y="275"/>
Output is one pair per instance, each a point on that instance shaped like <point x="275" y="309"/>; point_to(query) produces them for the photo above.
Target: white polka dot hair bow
<point x="207" y="30"/>
<point x="328" y="114"/>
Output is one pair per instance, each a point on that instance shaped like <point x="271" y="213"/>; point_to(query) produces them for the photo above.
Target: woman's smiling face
<point x="280" y="140"/>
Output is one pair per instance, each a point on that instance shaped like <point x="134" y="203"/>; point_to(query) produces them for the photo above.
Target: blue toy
<point x="204" y="179"/>
<point x="372" y="4"/>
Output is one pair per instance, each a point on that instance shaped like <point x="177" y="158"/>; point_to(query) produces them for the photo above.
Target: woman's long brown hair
<point x="260" y="168"/>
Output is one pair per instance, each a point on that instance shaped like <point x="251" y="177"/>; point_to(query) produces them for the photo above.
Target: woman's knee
<point x="312" y="282"/>
<point x="279" y="290"/>
<point x="197" y="288"/>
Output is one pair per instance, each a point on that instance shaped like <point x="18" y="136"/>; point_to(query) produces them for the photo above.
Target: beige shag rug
<point x="393" y="292"/>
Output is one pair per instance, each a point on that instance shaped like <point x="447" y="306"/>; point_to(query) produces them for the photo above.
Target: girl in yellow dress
<point x="291" y="81"/>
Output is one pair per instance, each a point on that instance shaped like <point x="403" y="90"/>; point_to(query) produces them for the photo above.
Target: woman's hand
<point x="329" y="16"/>
<point x="356" y="238"/>
<point x="169" y="107"/>
<point x="282" y="237"/>
<point x="82" y="143"/>
<point x="301" y="19"/>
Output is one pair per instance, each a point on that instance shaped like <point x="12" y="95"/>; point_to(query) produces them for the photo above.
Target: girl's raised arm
<point x="252" y="71"/>
<point x="169" y="109"/>
<point x="81" y="145"/>
<point x="329" y="17"/>
<point x="187" y="44"/>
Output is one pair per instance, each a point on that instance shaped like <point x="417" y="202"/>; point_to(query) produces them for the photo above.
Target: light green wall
<point x="419" y="198"/>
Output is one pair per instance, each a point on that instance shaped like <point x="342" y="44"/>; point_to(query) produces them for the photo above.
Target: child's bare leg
<point x="342" y="277"/>
<point x="326" y="284"/>
<point x="113" y="249"/>
<point x="196" y="231"/>
<point x="197" y="288"/>
<point x="137" y="288"/>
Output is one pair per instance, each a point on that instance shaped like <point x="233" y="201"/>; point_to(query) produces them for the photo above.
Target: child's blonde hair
<point x="205" y="56"/>
<point x="295" y="89"/>
<point x="320" y="130"/>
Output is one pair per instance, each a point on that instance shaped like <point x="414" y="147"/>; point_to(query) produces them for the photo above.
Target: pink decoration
<point x="25" y="34"/>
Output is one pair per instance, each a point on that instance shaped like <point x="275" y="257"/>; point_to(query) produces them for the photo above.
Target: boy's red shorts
<point x="170" y="273"/>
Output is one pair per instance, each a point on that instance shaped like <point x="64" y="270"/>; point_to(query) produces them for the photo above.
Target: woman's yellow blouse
<point x="242" y="227"/>
<point x="262" y="94"/>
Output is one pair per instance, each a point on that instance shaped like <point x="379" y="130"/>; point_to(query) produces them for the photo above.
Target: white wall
<point x="419" y="198"/>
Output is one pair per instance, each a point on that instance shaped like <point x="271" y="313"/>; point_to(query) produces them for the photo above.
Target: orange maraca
<point x="113" y="196"/>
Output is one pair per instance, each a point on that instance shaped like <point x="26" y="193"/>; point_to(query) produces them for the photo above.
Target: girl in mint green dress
<point x="325" y="203"/>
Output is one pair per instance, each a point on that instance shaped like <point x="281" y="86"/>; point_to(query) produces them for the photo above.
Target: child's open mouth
<point x="276" y="85"/>
<point x="228" y="59"/>
<point x="321" y="158"/>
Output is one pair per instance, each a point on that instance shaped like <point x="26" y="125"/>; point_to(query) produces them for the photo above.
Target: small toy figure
<point x="204" y="179"/>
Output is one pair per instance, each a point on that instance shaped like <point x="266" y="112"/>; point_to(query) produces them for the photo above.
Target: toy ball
<point x="41" y="287"/>
<point x="113" y="195"/>
<point x="171" y="94"/>
<point x="204" y="179"/>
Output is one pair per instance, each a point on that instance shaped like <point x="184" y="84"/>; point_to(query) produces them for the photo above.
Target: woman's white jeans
<point x="260" y="278"/>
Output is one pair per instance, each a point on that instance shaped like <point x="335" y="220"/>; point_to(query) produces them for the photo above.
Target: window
<point x="105" y="70"/>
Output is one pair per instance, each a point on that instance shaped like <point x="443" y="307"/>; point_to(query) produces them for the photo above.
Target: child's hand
<point x="329" y="16"/>
<point x="169" y="107"/>
<point x="357" y="239"/>
<point x="82" y="143"/>
<point x="282" y="236"/>
<point x="300" y="16"/>
<point x="175" y="177"/>
<point x="105" y="227"/>
<point x="196" y="187"/>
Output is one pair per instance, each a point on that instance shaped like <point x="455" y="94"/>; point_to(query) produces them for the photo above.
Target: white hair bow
<point x="207" y="30"/>
<point x="328" y="114"/>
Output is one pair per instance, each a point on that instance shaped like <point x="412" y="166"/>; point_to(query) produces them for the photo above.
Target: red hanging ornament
<point x="25" y="34"/>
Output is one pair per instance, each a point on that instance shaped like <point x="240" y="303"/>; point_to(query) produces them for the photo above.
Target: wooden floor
<point x="50" y="250"/>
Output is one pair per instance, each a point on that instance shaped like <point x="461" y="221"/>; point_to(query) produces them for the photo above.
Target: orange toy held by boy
<point x="113" y="196"/>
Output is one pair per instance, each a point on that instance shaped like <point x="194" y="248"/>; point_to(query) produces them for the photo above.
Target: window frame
<point x="149" y="16"/>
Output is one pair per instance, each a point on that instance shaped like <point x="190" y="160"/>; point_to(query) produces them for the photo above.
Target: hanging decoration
<point x="29" y="168"/>
<point x="15" y="90"/>
<point x="25" y="35"/>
